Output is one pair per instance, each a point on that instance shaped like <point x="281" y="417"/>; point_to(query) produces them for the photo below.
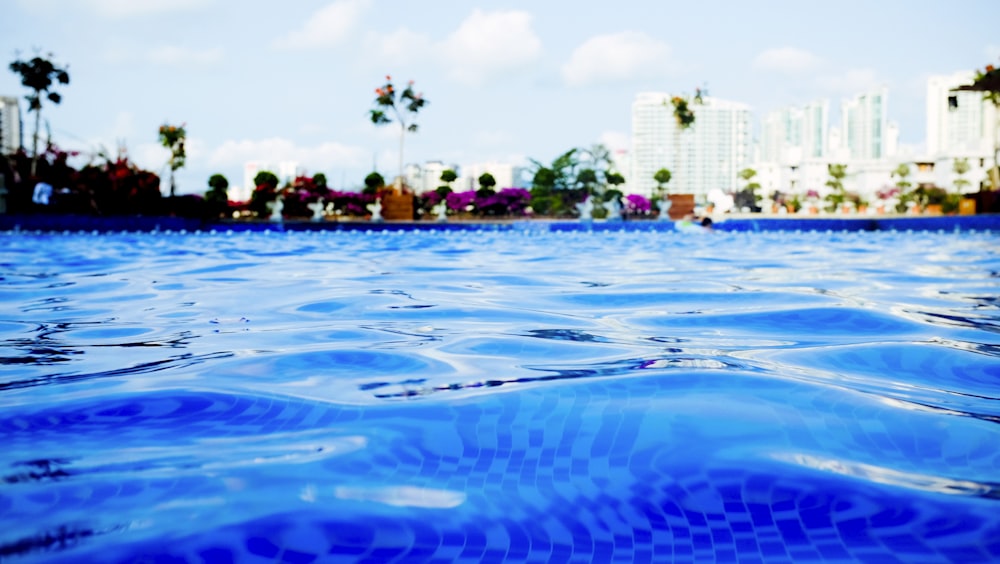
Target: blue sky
<point x="505" y="80"/>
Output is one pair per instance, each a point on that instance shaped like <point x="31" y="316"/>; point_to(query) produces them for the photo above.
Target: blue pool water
<point x="500" y="397"/>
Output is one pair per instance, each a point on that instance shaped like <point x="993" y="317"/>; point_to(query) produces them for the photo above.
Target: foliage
<point x="837" y="196"/>
<point x="320" y="180"/>
<point x="682" y="112"/>
<point x="960" y="167"/>
<point x="448" y="176"/>
<point x="217" y="197"/>
<point x="487" y="182"/>
<point x="39" y="74"/>
<point x="113" y="186"/>
<point x="988" y="81"/>
<point x="586" y="180"/>
<point x="662" y="178"/>
<point x="552" y="190"/>
<point x="266" y="177"/>
<point x="902" y="171"/>
<point x="172" y="137"/>
<point x="748" y="196"/>
<point x="373" y="182"/>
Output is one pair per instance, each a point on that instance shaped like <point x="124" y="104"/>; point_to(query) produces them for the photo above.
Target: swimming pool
<point x="514" y="396"/>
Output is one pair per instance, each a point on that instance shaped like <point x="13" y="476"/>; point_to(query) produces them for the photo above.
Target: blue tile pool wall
<point x="75" y="223"/>
<point x="600" y="471"/>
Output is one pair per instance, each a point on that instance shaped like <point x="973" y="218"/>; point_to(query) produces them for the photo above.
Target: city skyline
<point x="506" y="81"/>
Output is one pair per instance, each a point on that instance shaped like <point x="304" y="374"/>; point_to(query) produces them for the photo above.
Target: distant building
<point x="10" y="125"/>
<point x="865" y="125"/>
<point x="707" y="156"/>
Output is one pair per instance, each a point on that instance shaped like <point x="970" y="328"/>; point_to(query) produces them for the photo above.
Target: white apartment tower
<point x="10" y="125"/>
<point x="793" y="134"/>
<point x="865" y="125"/>
<point x="706" y="156"/>
<point x="958" y="123"/>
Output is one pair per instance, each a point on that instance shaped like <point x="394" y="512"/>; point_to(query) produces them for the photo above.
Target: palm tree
<point x="684" y="119"/>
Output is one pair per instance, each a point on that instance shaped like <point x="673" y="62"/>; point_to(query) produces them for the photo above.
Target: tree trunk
<point x="402" y="135"/>
<point x="34" y="142"/>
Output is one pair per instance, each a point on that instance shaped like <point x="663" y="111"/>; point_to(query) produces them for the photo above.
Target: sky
<point x="507" y="81"/>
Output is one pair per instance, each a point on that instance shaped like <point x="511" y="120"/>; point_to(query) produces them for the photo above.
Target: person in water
<point x="692" y="222"/>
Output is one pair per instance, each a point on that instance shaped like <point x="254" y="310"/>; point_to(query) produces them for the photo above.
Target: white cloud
<point x="181" y="56"/>
<point x="617" y="57"/>
<point x="401" y="47"/>
<point x="850" y="82"/>
<point x="490" y="42"/>
<point x="328" y="26"/>
<point x="786" y="59"/>
<point x="234" y="153"/>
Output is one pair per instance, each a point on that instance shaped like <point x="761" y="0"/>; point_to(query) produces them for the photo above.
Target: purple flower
<point x="637" y="204"/>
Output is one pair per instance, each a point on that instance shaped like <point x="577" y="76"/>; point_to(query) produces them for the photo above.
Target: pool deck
<point x="49" y="223"/>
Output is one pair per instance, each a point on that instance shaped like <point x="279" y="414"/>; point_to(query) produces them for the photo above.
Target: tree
<point x="266" y="178"/>
<point x="614" y="179"/>
<point x="662" y="178"/>
<point x="487" y="182"/>
<point x="218" y="185"/>
<point x="320" y="180"/>
<point x="217" y="197"/>
<point x="448" y="176"/>
<point x="172" y="137"/>
<point x="684" y="119"/>
<point x="748" y="197"/>
<point x="960" y="167"/>
<point x="586" y="180"/>
<point x="265" y="190"/>
<point x="902" y="171"/>
<point x="404" y="108"/>
<point x="38" y="74"/>
<point x="837" y="173"/>
<point x="373" y="182"/>
<point x="552" y="184"/>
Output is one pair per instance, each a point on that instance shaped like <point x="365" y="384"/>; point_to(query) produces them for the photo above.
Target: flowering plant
<point x="637" y="204"/>
<point x="404" y="107"/>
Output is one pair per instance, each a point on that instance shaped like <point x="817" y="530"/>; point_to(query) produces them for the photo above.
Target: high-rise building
<point x="815" y="129"/>
<point x="958" y="122"/>
<point x="10" y="125"/>
<point x="865" y="125"/>
<point x="704" y="157"/>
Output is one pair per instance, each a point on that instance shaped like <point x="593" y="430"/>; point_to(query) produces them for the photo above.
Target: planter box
<point x="967" y="206"/>
<point x="680" y="205"/>
<point x="397" y="206"/>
